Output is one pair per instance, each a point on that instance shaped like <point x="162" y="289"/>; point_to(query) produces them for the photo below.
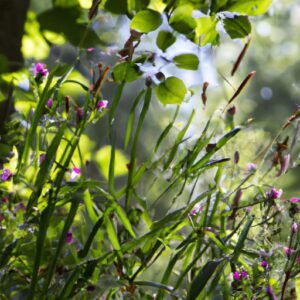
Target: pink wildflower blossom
<point x="102" y="104"/>
<point x="236" y="275"/>
<point x="274" y="193"/>
<point x="294" y="227"/>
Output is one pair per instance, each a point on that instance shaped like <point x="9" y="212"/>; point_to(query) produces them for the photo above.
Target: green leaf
<point x="126" y="72"/>
<point x="237" y="27"/>
<point x="187" y="61"/>
<point x="164" y="40"/>
<point x="251" y="7"/>
<point x="131" y="119"/>
<point x="111" y="231"/>
<point x="182" y="20"/>
<point x="146" y="21"/>
<point x="201" y="279"/>
<point x="217" y="147"/>
<point x="171" y="91"/>
<point x="123" y="218"/>
<point x="206" y="31"/>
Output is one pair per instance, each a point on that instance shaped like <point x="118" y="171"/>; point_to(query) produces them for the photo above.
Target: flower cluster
<point x="274" y="194"/>
<point x="237" y="276"/>
<point x="39" y="72"/>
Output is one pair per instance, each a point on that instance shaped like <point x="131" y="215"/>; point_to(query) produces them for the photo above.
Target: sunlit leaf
<point x="126" y="72"/>
<point x="182" y="20"/>
<point x="171" y="91"/>
<point x="146" y="21"/>
<point x="165" y="39"/>
<point x="251" y="7"/>
<point x="187" y="61"/>
<point x="206" y="31"/>
<point x="237" y="27"/>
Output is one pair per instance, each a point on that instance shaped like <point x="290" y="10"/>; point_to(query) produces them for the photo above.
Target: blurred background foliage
<point x="54" y="28"/>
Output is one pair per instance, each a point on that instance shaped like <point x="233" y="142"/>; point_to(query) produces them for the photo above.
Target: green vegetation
<point x="123" y="179"/>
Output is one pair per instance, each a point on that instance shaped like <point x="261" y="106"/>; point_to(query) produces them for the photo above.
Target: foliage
<point x="190" y="221"/>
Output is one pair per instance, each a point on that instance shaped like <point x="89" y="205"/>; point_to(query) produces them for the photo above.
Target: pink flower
<point x="102" y="104"/>
<point x="41" y="158"/>
<point x="236" y="275"/>
<point x="69" y="237"/>
<point x="39" y="67"/>
<point x="74" y="174"/>
<point x="50" y="103"/>
<point x="294" y="227"/>
<point x="294" y="200"/>
<point x="264" y="264"/>
<point x="284" y="165"/>
<point x="6" y="174"/>
<point x="251" y="168"/>
<point x="288" y="250"/>
<point x="274" y="193"/>
<point x="244" y="274"/>
<point x="89" y="50"/>
<point x="196" y="209"/>
<point x="39" y="72"/>
<point x="270" y="291"/>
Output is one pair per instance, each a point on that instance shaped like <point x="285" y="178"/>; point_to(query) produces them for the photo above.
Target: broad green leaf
<point x="165" y="39"/>
<point x="187" y="61"/>
<point x="126" y="72"/>
<point x="250" y="7"/>
<point x="182" y="20"/>
<point x="171" y="91"/>
<point x="103" y="161"/>
<point x="206" y="32"/>
<point x="237" y="27"/>
<point x="146" y="21"/>
<point x="201" y="279"/>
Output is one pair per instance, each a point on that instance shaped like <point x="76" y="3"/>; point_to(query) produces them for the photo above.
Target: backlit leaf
<point x="187" y="61"/>
<point x="171" y="91"/>
<point x="146" y="21"/>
